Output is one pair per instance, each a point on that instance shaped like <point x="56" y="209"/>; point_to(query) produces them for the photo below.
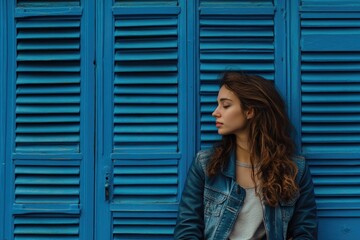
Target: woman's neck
<point x="242" y="150"/>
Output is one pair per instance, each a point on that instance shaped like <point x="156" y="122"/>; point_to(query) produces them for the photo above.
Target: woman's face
<point x="230" y="117"/>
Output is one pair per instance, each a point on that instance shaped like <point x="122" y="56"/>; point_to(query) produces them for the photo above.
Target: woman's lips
<point x="218" y="124"/>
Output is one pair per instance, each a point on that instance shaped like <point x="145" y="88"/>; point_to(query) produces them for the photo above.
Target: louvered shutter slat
<point x="49" y="90"/>
<point x="48" y="99"/>
<point x="59" y="138"/>
<point x="144" y="169"/>
<point x="56" y="44"/>
<point x="166" y="90"/>
<point x="224" y="56"/>
<point x="28" y="180"/>
<point x="149" y="44"/>
<point x="146" y="100"/>
<point x="48" y="57"/>
<point x="46" y="227"/>
<point x="143" y="3"/>
<point x="345" y="88"/>
<point x="333" y="182"/>
<point x="45" y="3"/>
<point x="47" y="119"/>
<point x="335" y="108"/>
<point x="46" y="109"/>
<point x="143" y="191"/>
<point x="235" y="3"/>
<point x="330" y="57"/>
<point x="330" y="138"/>
<point x="155" y="55"/>
<point x="48" y="129"/>
<point x="145" y="230"/>
<point x="45" y="190"/>
<point x="145" y="33"/>
<point x="144" y="180"/>
<point x="333" y="77"/>
<point x="146" y="129"/>
<point x="331" y="118"/>
<point x="47" y="67"/>
<point x="148" y="119"/>
<point x="42" y="80"/>
<point x="335" y="3"/>
<point x="145" y="109"/>
<point x="353" y="128"/>
<point x="164" y="78"/>
<point x="142" y="221"/>
<point x="326" y="98"/>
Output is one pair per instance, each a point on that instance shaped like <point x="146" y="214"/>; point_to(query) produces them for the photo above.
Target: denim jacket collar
<point x="229" y="168"/>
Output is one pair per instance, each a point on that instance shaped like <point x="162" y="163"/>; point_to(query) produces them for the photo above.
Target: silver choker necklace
<point x="245" y="165"/>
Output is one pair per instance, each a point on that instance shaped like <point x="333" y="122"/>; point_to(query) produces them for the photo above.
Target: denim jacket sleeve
<point x="303" y="224"/>
<point x="190" y="221"/>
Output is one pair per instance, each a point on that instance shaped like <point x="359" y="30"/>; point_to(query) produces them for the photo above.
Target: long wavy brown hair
<point x="270" y="138"/>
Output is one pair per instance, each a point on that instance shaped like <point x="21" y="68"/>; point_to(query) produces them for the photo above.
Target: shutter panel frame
<point x="3" y="111"/>
<point x="334" y="166"/>
<point x="34" y="209"/>
<point x="130" y="158"/>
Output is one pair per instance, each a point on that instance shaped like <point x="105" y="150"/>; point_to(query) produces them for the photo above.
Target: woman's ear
<point x="250" y="113"/>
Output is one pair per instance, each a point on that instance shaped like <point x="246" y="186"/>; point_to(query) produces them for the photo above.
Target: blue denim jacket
<point x="209" y="206"/>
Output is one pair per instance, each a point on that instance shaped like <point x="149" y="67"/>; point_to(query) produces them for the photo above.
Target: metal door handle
<point x="107" y="187"/>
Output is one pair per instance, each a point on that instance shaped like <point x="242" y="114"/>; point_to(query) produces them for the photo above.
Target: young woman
<point x="250" y="185"/>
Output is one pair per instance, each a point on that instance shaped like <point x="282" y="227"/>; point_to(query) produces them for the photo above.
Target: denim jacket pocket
<point x="213" y="202"/>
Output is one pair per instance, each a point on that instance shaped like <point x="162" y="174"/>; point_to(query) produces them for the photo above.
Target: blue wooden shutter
<point x="145" y="91"/>
<point x="50" y="152"/>
<point x="238" y="36"/>
<point x="330" y="88"/>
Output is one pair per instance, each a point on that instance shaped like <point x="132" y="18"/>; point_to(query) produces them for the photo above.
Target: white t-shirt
<point x="249" y="224"/>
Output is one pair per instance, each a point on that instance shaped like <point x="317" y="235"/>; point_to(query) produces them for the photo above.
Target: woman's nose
<point x="215" y="113"/>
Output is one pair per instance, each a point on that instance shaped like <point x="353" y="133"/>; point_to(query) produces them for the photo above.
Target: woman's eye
<point x="226" y="106"/>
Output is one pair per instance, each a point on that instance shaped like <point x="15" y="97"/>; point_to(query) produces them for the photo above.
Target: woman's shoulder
<point x="204" y="155"/>
<point x="202" y="159"/>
